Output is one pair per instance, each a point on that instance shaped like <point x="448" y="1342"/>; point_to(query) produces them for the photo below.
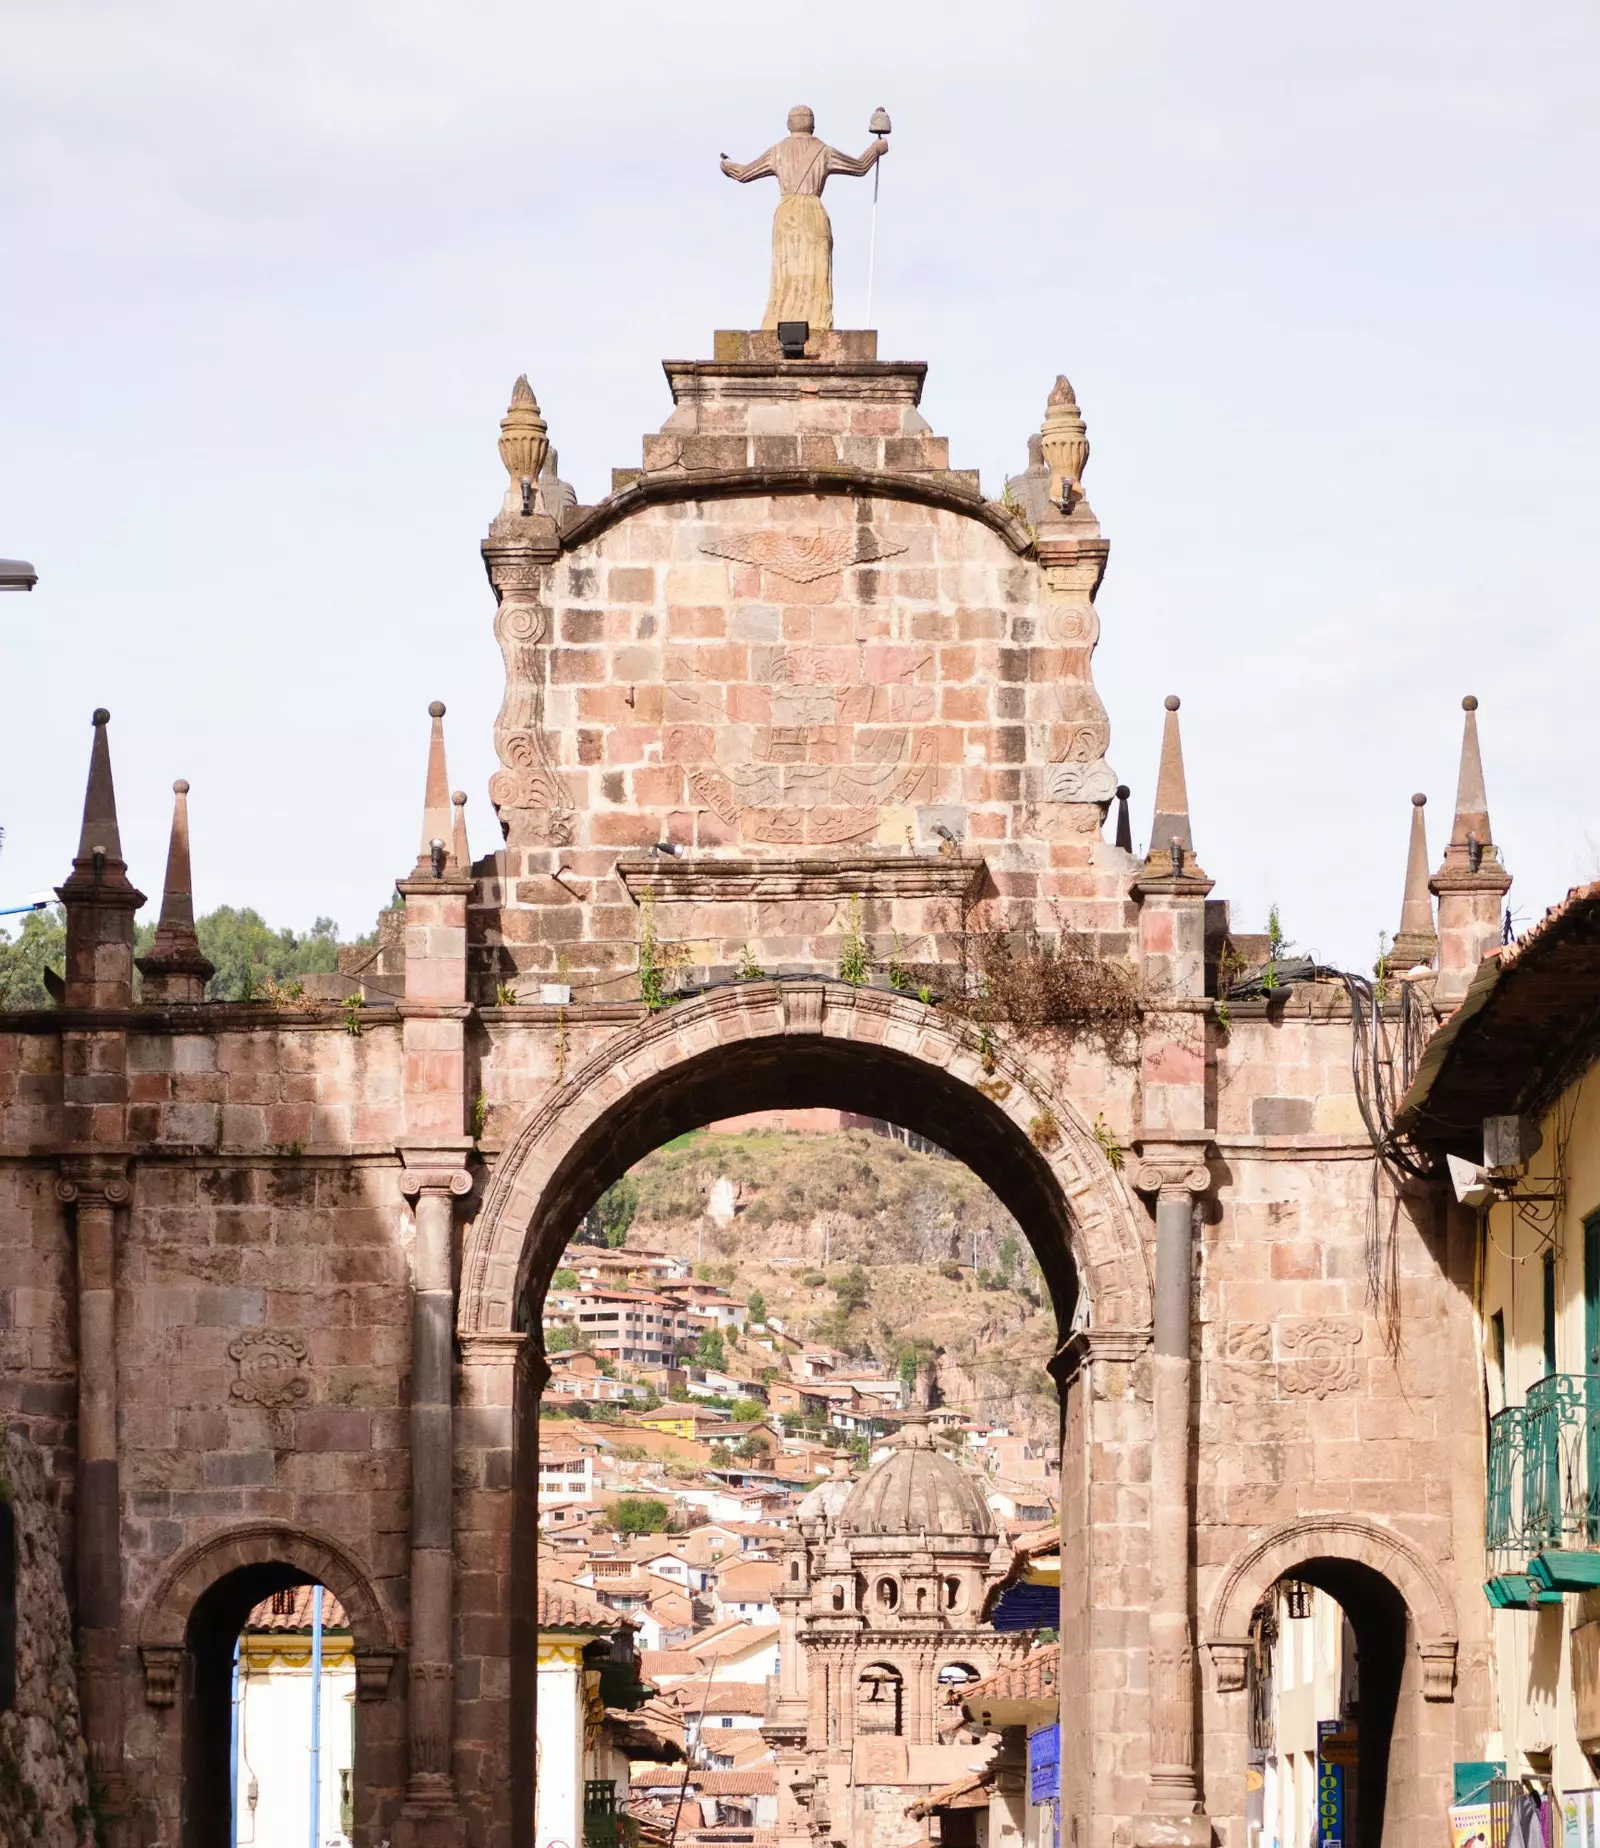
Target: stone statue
<point x="802" y="238"/>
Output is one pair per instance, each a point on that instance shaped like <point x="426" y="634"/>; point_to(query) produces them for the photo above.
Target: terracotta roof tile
<point x="560" y="1610"/>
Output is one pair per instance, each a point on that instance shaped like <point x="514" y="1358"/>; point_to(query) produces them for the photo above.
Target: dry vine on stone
<point x="1050" y="991"/>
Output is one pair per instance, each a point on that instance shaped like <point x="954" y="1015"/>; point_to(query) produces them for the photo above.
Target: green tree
<point x="851" y="1290"/>
<point x="640" y="1514"/>
<point x="560" y="1339"/>
<point x="607" y="1221"/>
<point x="1008" y="1256"/>
<point x="40" y="944"/>
<point x="752" y="1445"/>
<point x="709" y="1349"/>
<point x="758" y="1307"/>
<point x="747" y="1411"/>
<point x="249" y="953"/>
<point x="565" y="1279"/>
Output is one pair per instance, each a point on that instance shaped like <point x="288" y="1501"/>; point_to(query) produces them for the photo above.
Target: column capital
<point x="1168" y="1168"/>
<point x="416" y="1181"/>
<point x="436" y="1166"/>
<point x="1116" y="1346"/>
<point x="91" y="1180"/>
<point x="1168" y="1179"/>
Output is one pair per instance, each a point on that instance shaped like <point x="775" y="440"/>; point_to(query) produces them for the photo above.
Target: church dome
<point x="918" y="1490"/>
<point x="825" y="1501"/>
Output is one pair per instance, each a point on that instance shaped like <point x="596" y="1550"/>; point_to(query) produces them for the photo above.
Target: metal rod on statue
<point x="879" y="125"/>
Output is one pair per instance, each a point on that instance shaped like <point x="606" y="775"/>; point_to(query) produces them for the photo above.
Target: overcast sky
<point x="1324" y="278"/>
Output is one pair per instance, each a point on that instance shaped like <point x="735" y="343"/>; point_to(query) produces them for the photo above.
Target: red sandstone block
<point x="964" y="704"/>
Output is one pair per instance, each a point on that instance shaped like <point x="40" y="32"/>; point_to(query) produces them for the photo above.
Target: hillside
<point x="944" y="1271"/>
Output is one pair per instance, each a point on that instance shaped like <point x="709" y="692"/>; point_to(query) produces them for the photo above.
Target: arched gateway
<point x="795" y="696"/>
<point x="760" y="1045"/>
<point x="753" y="1045"/>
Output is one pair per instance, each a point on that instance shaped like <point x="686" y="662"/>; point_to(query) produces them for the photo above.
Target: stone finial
<point x="1124" y="821"/>
<point x="436" y="821"/>
<point x="524" y="444"/>
<point x="99" y="862"/>
<point x="459" y="850"/>
<point x="97" y="895"/>
<point x="1064" y="443"/>
<point x="176" y="969"/>
<point x="1416" y="942"/>
<point x="1170" y="854"/>
<point x="1471" y="882"/>
<point x="1171" y="821"/>
<point x="1471" y="847"/>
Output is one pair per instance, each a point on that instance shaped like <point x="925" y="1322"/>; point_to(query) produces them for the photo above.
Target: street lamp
<point x="17" y="574"/>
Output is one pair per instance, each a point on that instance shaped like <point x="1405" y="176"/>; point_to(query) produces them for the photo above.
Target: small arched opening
<point x="269" y="1620"/>
<point x="1345" y="1653"/>
<point x="889" y="1593"/>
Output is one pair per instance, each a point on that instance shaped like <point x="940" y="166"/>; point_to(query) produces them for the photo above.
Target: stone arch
<point x="163" y="1628"/>
<point x="755" y="1045"/>
<point x="1360" y="1541"/>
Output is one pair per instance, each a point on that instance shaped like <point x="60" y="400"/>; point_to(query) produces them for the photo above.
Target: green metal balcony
<point x="1544" y="1475"/>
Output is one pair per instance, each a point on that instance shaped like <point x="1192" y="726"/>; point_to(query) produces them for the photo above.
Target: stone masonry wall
<point x="44" y="1794"/>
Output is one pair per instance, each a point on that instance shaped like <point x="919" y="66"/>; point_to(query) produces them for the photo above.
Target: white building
<point x="293" y="1726"/>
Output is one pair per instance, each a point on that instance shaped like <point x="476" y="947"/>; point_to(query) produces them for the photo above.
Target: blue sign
<point x="1330" y="1792"/>
<point x="1044" y="1764"/>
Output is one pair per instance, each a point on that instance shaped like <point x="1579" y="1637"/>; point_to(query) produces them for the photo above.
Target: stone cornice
<point x="664" y="489"/>
<point x="1116" y="1346"/>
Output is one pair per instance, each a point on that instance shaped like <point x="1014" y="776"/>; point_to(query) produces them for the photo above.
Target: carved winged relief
<point x="803" y="558"/>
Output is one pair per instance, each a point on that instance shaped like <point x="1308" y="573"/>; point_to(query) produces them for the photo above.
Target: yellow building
<point x="1508" y="1094"/>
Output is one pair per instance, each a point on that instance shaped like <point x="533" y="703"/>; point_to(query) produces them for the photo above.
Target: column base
<point x="1171" y="1831"/>
<point x="430" y="1818"/>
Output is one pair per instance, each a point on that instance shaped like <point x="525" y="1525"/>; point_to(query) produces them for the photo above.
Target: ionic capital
<point x="417" y="1181"/>
<point x="1166" y="1180"/>
<point x="92" y="1186"/>
<point x="1172" y="1166"/>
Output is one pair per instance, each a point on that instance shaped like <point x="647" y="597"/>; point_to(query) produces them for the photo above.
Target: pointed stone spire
<point x="1416" y="942"/>
<point x="1170" y="853"/>
<point x="1124" y="820"/>
<point x="1472" y="881"/>
<point x="176" y="969"/>
<point x="436" y="822"/>
<point x="1471" y="847"/>
<point x="460" y="852"/>
<point x="100" y="840"/>
<point x="98" y="896"/>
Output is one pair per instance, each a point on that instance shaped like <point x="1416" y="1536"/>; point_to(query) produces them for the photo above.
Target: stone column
<point x="1172" y="1815"/>
<point x="497" y="1509"/>
<point x="430" y="1807"/>
<point x="96" y="1194"/>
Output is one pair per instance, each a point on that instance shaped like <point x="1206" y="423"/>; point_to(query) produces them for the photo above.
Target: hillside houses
<point x="667" y="1410"/>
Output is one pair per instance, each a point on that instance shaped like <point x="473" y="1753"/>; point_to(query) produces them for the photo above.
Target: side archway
<point x="1401" y="1618"/>
<point x="1360" y="1541"/>
<point x="312" y="1557"/>
<point x="792" y="1043"/>
<point x="187" y="1637"/>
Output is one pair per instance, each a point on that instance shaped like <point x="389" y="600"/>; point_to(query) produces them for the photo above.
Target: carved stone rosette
<point x="269" y="1368"/>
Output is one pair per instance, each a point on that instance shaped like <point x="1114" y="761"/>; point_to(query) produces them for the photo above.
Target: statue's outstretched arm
<point x="842" y="163"/>
<point x="761" y="168"/>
